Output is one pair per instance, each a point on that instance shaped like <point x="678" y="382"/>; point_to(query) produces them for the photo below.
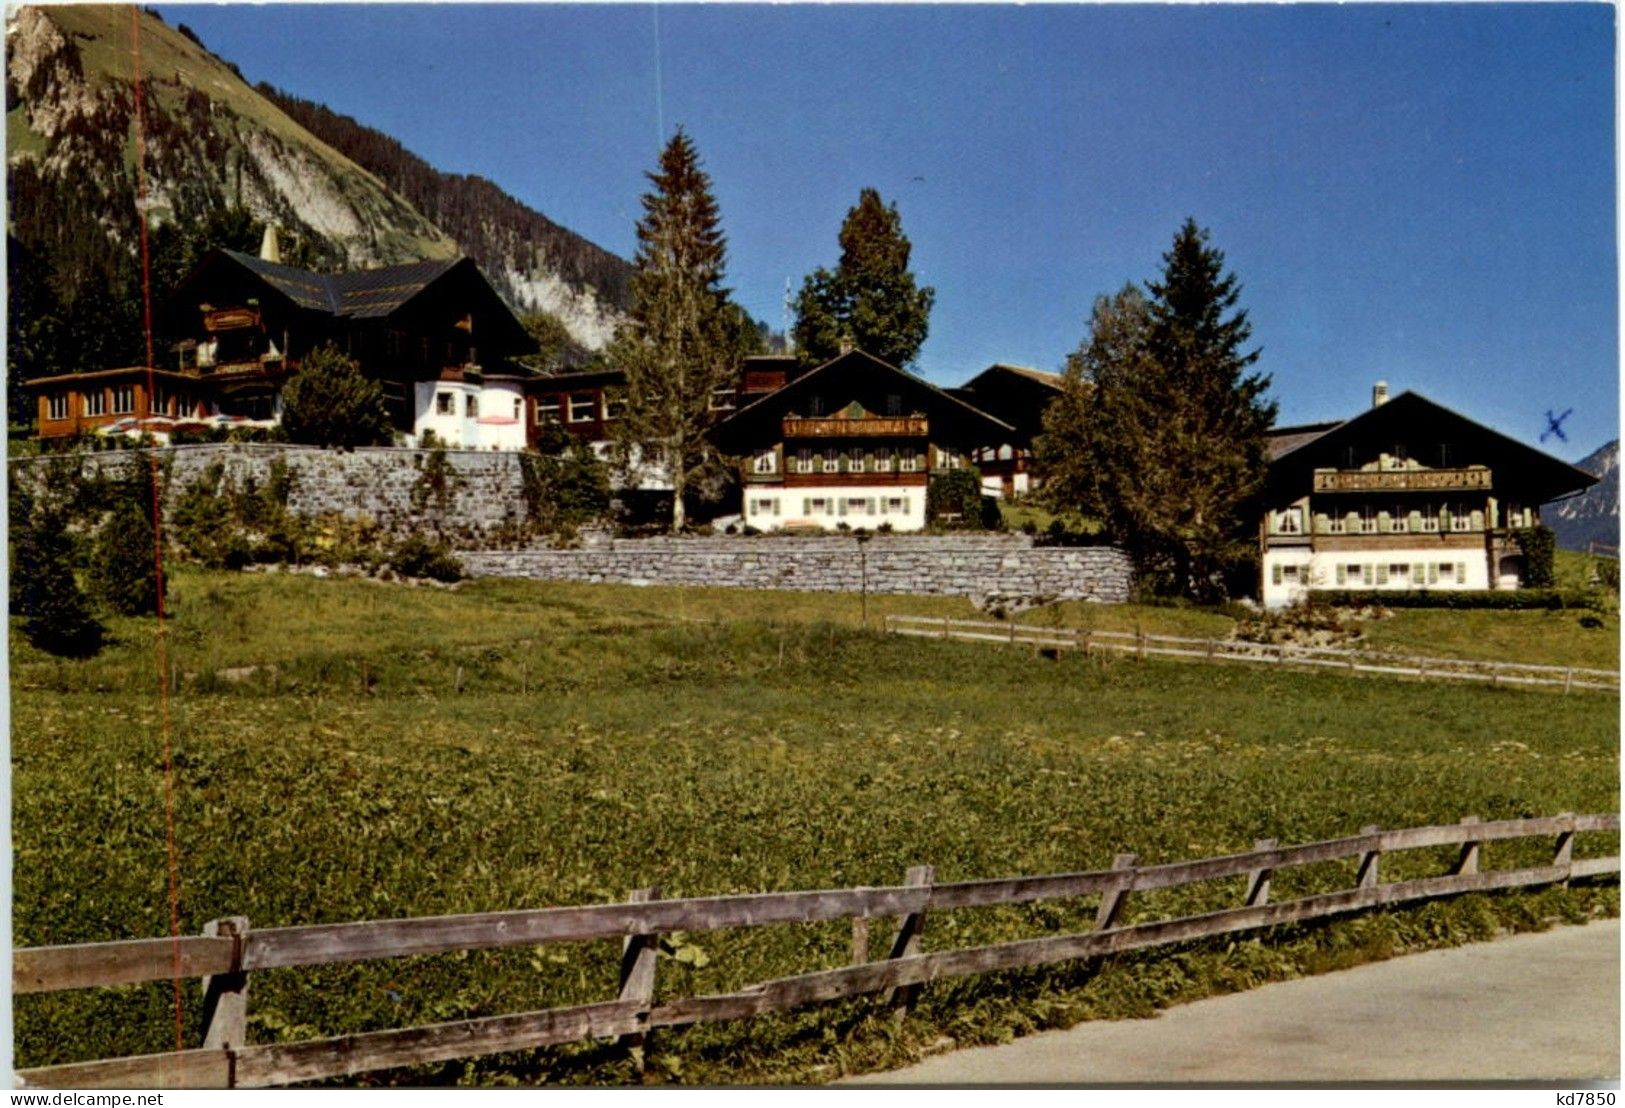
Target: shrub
<point x="416" y="556"/>
<point x="956" y="492"/>
<point x="1463" y="599"/>
<point x="123" y="570"/>
<point x="329" y="402"/>
<point x="1539" y="546"/>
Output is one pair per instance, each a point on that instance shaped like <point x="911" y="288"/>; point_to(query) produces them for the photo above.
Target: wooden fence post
<point x="1088" y="646"/>
<point x="638" y="956"/>
<point x="225" y="995"/>
<point x="907" y="943"/>
<point x="944" y="626"/>
<point x="860" y="940"/>
<point x="1258" y="881"/>
<point x="1142" y="644"/>
<point x="1367" y="877"/>
<point x="1115" y="897"/>
<point x="1568" y="680"/>
<point x="1563" y="854"/>
<point x="1468" y="861"/>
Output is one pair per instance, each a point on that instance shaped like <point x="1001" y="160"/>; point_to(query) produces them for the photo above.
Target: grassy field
<point x="328" y="768"/>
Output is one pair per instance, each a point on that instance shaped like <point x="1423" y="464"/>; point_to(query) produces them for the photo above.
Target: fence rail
<point x="1142" y="645"/>
<point x="229" y="950"/>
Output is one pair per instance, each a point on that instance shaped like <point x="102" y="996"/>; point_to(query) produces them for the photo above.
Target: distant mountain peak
<point x="1593" y="516"/>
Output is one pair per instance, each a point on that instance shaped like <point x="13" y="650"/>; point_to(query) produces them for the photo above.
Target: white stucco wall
<point x="1319" y="571"/>
<point x="799" y="506"/>
<point x="501" y="422"/>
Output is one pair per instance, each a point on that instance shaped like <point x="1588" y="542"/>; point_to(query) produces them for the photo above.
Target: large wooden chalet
<point x="1018" y="396"/>
<point x="1406" y="495"/>
<point x="434" y="333"/>
<point x="854" y="441"/>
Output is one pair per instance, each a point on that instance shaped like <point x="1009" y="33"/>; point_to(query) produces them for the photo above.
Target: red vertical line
<point x="162" y="644"/>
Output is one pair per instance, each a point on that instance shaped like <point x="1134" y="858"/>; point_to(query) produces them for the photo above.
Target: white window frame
<point x="518" y="409"/>
<point x="882" y="459"/>
<point x="471" y="406"/>
<point x="1289" y="521"/>
<point x="56" y="406"/>
<point x="1461" y="519"/>
<point x="445" y="404"/>
<point x="1369" y="521"/>
<point x="123" y="399"/>
<point x="766" y="462"/>
<point x="854" y="462"/>
<point x="804" y="459"/>
<point x="1336" y="523"/>
<point x="1430" y="519"/>
<point x="831" y="462"/>
<point x="547" y="410"/>
<point x="582" y="407"/>
<point x="96" y="402"/>
<point x="1399" y="521"/>
<point x="907" y="460"/>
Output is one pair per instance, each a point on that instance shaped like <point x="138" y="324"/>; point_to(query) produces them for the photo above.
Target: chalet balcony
<point x="914" y="427"/>
<point x="1401" y="480"/>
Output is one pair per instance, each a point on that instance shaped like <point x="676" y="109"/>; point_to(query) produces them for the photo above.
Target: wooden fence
<point x="229" y="950"/>
<point x="1141" y="645"/>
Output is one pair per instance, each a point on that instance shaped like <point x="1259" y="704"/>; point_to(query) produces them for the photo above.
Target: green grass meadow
<point x="346" y="750"/>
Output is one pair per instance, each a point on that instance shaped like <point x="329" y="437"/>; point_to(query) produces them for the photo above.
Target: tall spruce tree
<point x="680" y="342"/>
<point x="56" y="614"/>
<point x="1162" y="430"/>
<point x="871" y="299"/>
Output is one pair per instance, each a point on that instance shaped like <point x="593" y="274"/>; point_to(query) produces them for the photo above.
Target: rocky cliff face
<point x="212" y="143"/>
<point x="1594" y="515"/>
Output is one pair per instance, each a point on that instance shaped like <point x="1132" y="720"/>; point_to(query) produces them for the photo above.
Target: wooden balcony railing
<point x="908" y="427"/>
<point x="1363" y="480"/>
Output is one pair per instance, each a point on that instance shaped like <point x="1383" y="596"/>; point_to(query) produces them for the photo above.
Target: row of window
<point x="1369" y="521"/>
<point x="577" y="408"/>
<point x="445" y="403"/>
<point x="883" y="459"/>
<point x="95" y="403"/>
<point x="1369" y="574"/>
<point x="834" y="505"/>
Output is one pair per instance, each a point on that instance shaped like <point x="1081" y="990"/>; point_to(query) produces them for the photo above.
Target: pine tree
<point x="870" y="300"/>
<point x="681" y="341"/>
<point x="1161" y="431"/>
<point x="330" y="402"/>
<point x="56" y="615"/>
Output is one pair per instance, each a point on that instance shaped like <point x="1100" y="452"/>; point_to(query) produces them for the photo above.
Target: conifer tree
<point x="1161" y="430"/>
<point x="56" y="615"/>
<point x="871" y="299"/>
<point x="330" y="402"/>
<point x="681" y="341"/>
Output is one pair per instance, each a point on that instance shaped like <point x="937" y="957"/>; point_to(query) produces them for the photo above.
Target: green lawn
<point x="712" y="742"/>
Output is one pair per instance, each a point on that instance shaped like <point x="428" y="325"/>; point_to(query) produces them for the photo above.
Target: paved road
<point x="1532" y="1007"/>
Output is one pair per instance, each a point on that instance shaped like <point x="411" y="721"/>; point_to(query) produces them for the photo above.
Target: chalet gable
<point x="1412" y="434"/>
<point x="857" y="390"/>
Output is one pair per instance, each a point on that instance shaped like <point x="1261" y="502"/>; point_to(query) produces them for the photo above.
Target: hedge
<point x="1462" y="598"/>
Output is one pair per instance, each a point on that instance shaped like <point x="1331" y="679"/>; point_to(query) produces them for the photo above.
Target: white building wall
<point x="774" y="507"/>
<point x="501" y="423"/>
<point x="1302" y="572"/>
<point x="452" y="428"/>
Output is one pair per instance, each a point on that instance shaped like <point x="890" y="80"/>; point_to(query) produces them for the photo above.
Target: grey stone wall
<point x="484" y="498"/>
<point x="981" y="567"/>
<point x="483" y="490"/>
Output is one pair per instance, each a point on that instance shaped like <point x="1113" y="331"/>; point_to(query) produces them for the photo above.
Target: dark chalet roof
<point x="846" y="378"/>
<point x="364" y="294"/>
<point x="1531" y="474"/>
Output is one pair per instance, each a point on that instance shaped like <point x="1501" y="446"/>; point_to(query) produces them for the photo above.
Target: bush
<point x="1504" y="599"/>
<point x="329" y="402"/>
<point x="1539" y="546"/>
<point x="123" y="570"/>
<point x="416" y="556"/>
<point x="956" y="492"/>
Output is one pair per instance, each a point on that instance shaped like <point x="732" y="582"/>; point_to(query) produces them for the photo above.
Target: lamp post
<point x="863" y="576"/>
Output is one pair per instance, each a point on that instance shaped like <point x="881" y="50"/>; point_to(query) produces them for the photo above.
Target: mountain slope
<point x="532" y="261"/>
<point x="1594" y="515"/>
<point x="213" y="143"/>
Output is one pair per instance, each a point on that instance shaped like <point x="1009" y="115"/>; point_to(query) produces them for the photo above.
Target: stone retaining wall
<point x="484" y="499"/>
<point x="985" y="568"/>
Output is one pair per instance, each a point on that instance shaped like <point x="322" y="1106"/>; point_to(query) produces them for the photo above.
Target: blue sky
<point x="1418" y="193"/>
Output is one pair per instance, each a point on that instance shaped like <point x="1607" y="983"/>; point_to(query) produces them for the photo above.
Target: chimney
<point x="1379" y="394"/>
<point x="847" y="344"/>
<point x="270" y="251"/>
